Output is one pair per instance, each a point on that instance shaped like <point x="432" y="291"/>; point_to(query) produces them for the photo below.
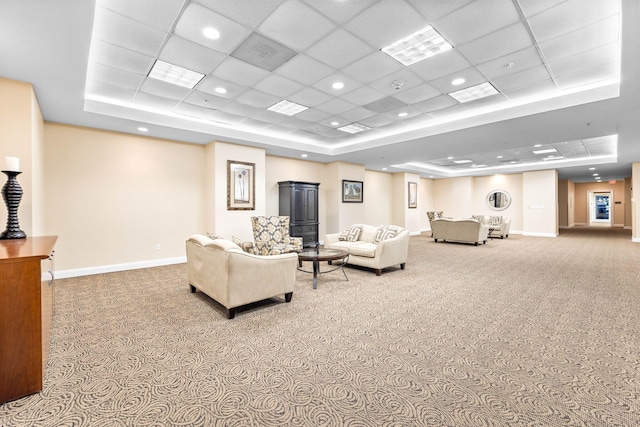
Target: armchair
<point x="233" y="277"/>
<point x="271" y="236"/>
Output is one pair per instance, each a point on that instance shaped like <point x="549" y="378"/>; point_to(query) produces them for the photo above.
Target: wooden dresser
<point x="26" y="307"/>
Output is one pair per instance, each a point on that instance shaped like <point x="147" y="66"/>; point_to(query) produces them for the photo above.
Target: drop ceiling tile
<point x="477" y="19"/>
<point x="357" y="114"/>
<point x="257" y="124"/>
<point x="340" y="11"/>
<point x="269" y="116"/>
<point x="385" y="84"/>
<point x="372" y="67"/>
<point x="533" y="7"/>
<point x="341" y="121"/>
<point x="305" y="70"/>
<point x="277" y="128"/>
<point x="339" y="49"/>
<point x="263" y="52"/>
<point x="385" y="22"/>
<point x="205" y="100"/>
<point x="323" y="130"/>
<point x="585" y="38"/>
<point x="570" y="16"/>
<point x="109" y="91"/>
<point x="363" y="95"/>
<point x="192" y="56"/>
<point x="278" y="86"/>
<point x="192" y="110"/>
<point x="154" y="102"/>
<point x="119" y="57"/>
<point x="223" y="117"/>
<point x="312" y="115"/>
<point x="417" y="94"/>
<point x="289" y="25"/>
<point x="121" y="31"/>
<point x="239" y="72"/>
<point x="258" y="99"/>
<point x="153" y="13"/>
<point x="531" y="91"/>
<point x="240" y="109"/>
<point x="325" y="84"/>
<point x="440" y="65"/>
<point x="309" y="97"/>
<point x="434" y="104"/>
<point x="210" y="83"/>
<point x="435" y="10"/>
<point x="195" y="18"/>
<point x="522" y="79"/>
<point x="500" y="43"/>
<point x="404" y="120"/>
<point x="587" y="76"/>
<point x="335" y="106"/>
<point x="293" y="122"/>
<point x="385" y="105"/>
<point x="246" y="12"/>
<point x="165" y="90"/>
<point x="114" y="76"/>
<point x="376" y="121"/>
<point x="521" y="60"/>
<point x="606" y="54"/>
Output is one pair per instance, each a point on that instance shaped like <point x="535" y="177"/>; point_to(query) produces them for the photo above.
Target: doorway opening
<point x="600" y="208"/>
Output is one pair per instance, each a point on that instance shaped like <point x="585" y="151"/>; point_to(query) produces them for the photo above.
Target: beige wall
<point x="540" y="203"/>
<point x="512" y="184"/>
<point x="117" y="199"/>
<point x="582" y="191"/>
<point x="454" y="197"/>
<point x="427" y="202"/>
<point x="378" y="191"/>
<point x="635" y="212"/>
<point x="21" y="136"/>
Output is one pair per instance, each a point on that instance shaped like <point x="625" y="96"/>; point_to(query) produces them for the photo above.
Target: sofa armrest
<point x="394" y="250"/>
<point x="331" y="238"/>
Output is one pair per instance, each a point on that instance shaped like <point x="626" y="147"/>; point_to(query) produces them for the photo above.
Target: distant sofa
<point x="499" y="224"/>
<point x="459" y="230"/>
<point x="375" y="247"/>
<point x="233" y="277"/>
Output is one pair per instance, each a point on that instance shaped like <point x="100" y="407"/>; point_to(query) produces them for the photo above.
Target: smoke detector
<point x="397" y="84"/>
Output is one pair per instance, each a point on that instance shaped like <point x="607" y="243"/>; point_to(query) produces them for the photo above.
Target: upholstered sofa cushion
<point x="364" y="249"/>
<point x="351" y="234"/>
<point x="385" y="232"/>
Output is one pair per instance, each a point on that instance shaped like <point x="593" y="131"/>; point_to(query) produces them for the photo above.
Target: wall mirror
<point x="498" y="200"/>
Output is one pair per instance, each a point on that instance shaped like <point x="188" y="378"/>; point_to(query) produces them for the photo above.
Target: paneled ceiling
<point x="554" y="65"/>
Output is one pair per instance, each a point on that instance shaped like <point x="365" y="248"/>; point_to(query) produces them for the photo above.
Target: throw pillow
<point x="351" y="234"/>
<point x="495" y="221"/>
<point x="246" y="246"/>
<point x="386" y="232"/>
<point x="212" y="236"/>
<point x="479" y="218"/>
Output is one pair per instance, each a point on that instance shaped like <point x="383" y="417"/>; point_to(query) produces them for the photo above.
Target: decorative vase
<point x="12" y="194"/>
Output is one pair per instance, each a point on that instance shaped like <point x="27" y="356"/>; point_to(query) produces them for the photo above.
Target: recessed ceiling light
<point x="173" y="74"/>
<point x="143" y="129"/>
<point x="287" y="107"/>
<point x="420" y="45"/>
<point x="474" y="92"/>
<point x="211" y="33"/>
<point x="338" y="85"/>
<point x="458" y="81"/>
<point x="538" y="145"/>
<point x="403" y="114"/>
<point x="449" y="158"/>
<point x="354" y="128"/>
<point x="335" y="123"/>
<point x="462" y="161"/>
<point x="596" y="174"/>
<point x="384" y="169"/>
<point x="303" y="155"/>
<point x="553" y="158"/>
<point x="545" y="151"/>
<point x="499" y="157"/>
<point x="592" y="169"/>
<point x="220" y="90"/>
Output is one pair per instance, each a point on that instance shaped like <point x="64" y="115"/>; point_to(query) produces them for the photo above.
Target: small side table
<point x="315" y="255"/>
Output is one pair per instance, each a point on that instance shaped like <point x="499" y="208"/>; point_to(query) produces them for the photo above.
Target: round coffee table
<point x="315" y="255"/>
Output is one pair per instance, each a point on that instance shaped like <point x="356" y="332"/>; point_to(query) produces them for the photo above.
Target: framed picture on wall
<point x="413" y="195"/>
<point x="352" y="191"/>
<point x="241" y="182"/>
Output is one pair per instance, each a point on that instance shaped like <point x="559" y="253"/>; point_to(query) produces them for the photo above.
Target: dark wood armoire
<point x="299" y="201"/>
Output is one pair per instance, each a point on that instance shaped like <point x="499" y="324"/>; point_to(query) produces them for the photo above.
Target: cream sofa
<point x="459" y="230"/>
<point x="372" y="247"/>
<point x="499" y="224"/>
<point x="223" y="271"/>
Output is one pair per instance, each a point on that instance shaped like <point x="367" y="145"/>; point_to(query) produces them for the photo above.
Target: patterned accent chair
<point x="271" y="236"/>
<point x="433" y="215"/>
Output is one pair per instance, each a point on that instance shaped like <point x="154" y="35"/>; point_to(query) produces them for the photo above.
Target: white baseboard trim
<point x="415" y="233"/>
<point x="63" y="274"/>
<point x="540" y="234"/>
<point x="635" y="239"/>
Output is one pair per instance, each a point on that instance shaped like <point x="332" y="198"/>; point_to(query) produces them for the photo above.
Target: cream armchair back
<point x="222" y="270"/>
<point x="271" y="236"/>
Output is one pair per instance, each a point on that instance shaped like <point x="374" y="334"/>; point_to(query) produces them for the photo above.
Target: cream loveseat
<point x="222" y="270"/>
<point x="459" y="230"/>
<point x="371" y="246"/>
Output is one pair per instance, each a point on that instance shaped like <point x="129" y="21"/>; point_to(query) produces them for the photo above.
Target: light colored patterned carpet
<point x="525" y="331"/>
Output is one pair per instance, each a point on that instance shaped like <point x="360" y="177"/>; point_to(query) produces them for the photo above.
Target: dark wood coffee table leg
<point x="316" y="268"/>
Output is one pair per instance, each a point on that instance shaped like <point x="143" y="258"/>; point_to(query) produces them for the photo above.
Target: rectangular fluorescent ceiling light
<point x="461" y="161"/>
<point x="553" y="158"/>
<point x="545" y="151"/>
<point x="474" y="92"/>
<point x="175" y="75"/>
<point x="354" y="128"/>
<point x="287" y="108"/>
<point x="415" y="47"/>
